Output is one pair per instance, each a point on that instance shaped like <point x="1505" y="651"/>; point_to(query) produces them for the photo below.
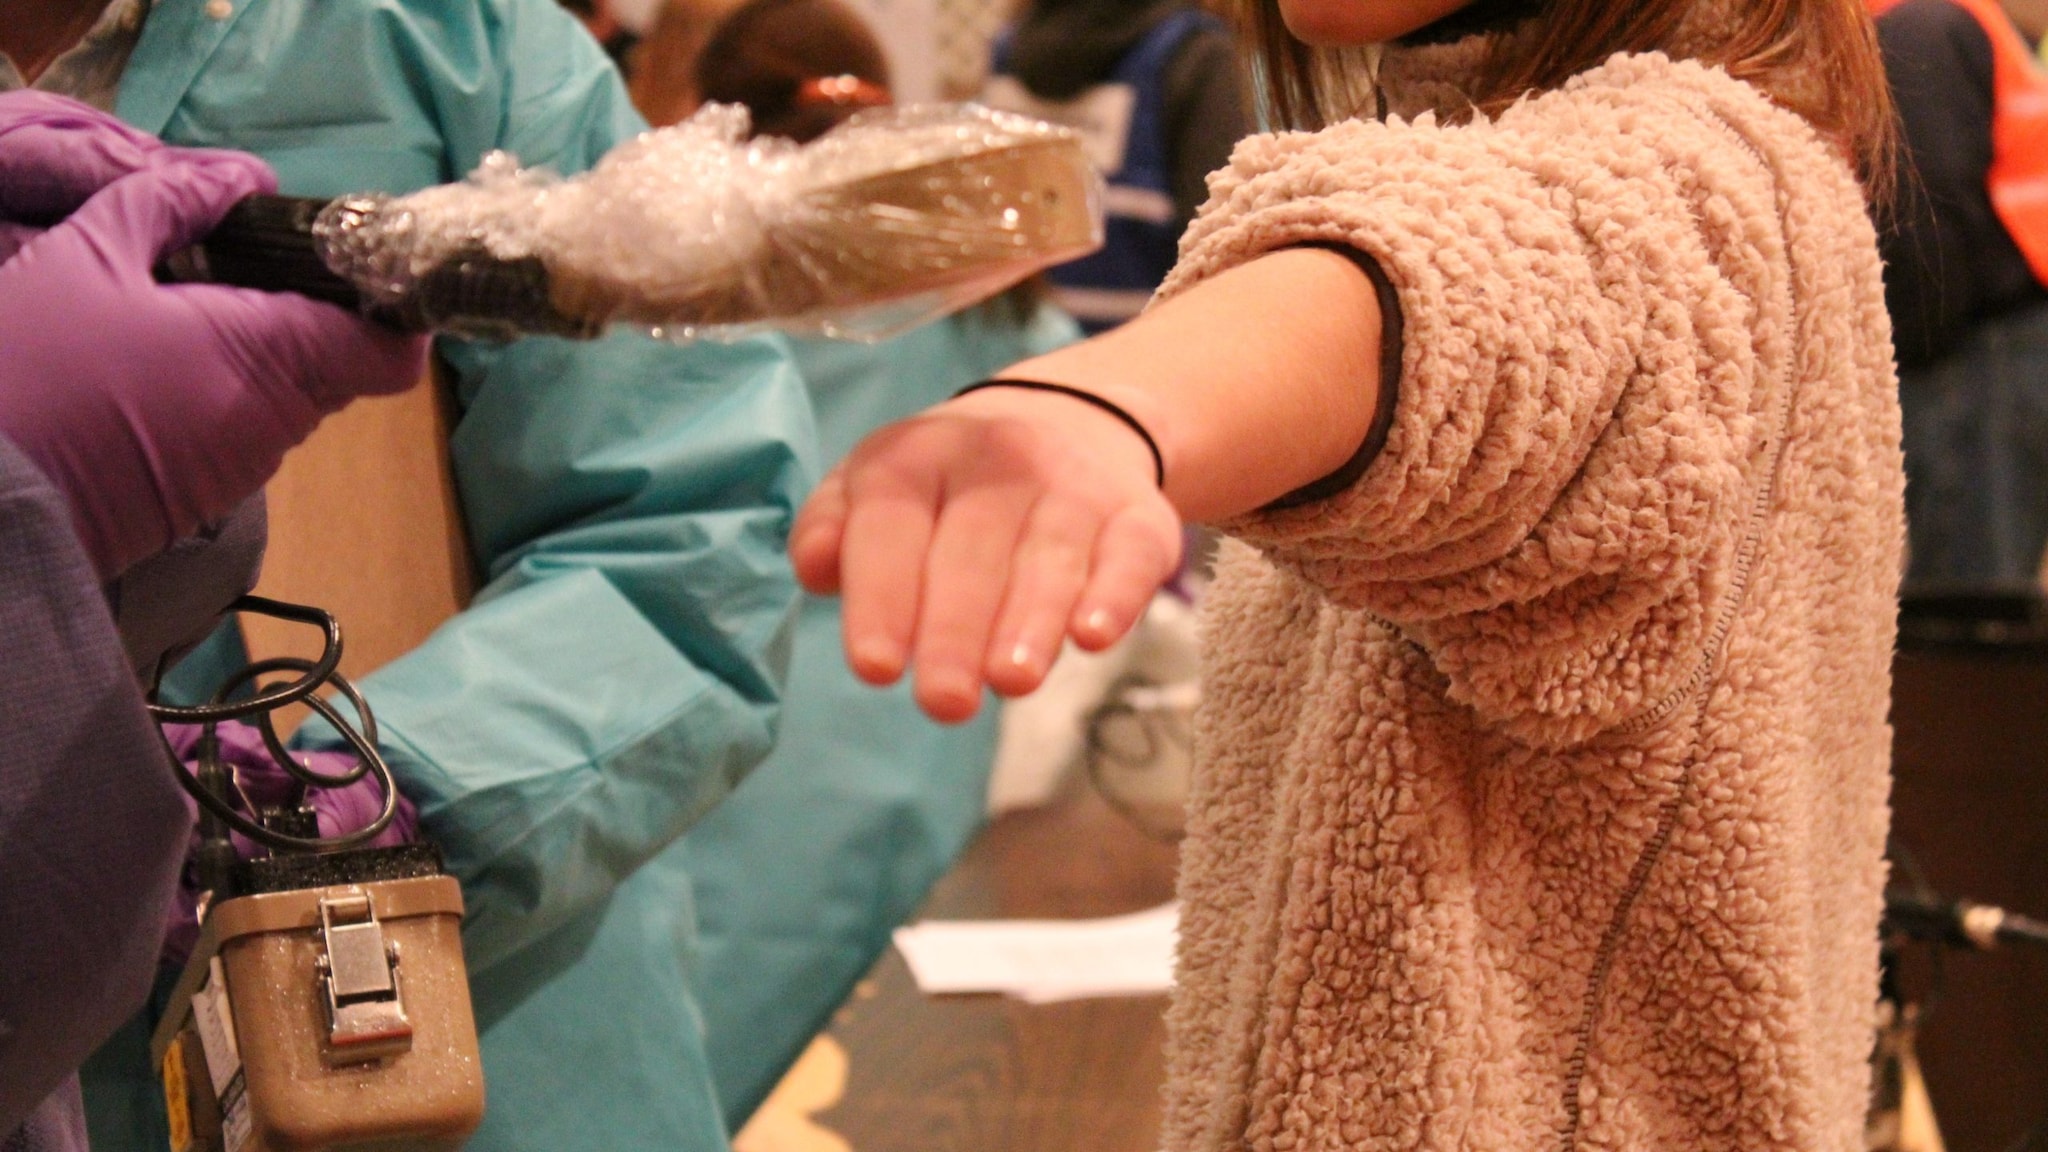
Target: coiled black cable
<point x="313" y="676"/>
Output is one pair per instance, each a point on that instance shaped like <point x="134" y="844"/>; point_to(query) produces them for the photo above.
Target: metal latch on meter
<point x="359" y="971"/>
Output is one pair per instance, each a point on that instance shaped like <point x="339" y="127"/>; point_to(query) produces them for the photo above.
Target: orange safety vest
<point x="2018" y="179"/>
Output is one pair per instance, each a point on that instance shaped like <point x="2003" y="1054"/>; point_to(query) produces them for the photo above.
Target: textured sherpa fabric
<point x="1544" y="770"/>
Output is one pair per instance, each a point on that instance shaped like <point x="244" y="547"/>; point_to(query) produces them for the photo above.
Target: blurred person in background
<point x="1155" y="88"/>
<point x="864" y="802"/>
<point x="1966" y="260"/>
<point x="627" y="502"/>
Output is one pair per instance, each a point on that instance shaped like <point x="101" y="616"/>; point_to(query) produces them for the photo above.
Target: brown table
<point x="991" y="1074"/>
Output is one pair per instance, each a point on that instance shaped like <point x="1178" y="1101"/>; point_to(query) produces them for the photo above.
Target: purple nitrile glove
<point x="339" y="810"/>
<point x="55" y="153"/>
<point x="154" y="408"/>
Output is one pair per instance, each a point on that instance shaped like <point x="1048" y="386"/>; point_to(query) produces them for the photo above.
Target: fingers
<point x="134" y="221"/>
<point x="965" y="577"/>
<point x="331" y="354"/>
<point x="968" y="545"/>
<point x="984" y="590"/>
<point x="814" y="540"/>
<point x="55" y="153"/>
<point x="1046" y="578"/>
<point x="305" y="360"/>
<point x="1137" y="552"/>
<point x="892" y="510"/>
<point x="1007" y="582"/>
<point x="309" y="358"/>
<point x="390" y="362"/>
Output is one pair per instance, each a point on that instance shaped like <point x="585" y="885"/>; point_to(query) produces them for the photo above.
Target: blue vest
<point x="1123" y="121"/>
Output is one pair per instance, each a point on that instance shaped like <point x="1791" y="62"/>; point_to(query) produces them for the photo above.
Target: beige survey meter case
<point x="332" y="1018"/>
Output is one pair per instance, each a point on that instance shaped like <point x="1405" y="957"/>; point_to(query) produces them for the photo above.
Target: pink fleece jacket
<point x="1542" y="796"/>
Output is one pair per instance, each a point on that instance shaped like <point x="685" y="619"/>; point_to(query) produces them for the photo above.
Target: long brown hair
<point x="1818" y="58"/>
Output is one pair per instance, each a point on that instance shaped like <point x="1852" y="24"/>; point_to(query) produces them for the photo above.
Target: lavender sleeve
<point x="92" y="826"/>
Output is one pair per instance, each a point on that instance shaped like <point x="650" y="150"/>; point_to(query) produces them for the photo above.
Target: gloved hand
<point x="58" y="153"/>
<point x="154" y="408"/>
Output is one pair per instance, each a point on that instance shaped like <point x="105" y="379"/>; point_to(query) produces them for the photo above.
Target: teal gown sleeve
<point x="618" y="673"/>
<point x="628" y="502"/>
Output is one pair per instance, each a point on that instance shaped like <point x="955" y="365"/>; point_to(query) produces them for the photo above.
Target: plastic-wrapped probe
<point x="272" y="243"/>
<point x="897" y="217"/>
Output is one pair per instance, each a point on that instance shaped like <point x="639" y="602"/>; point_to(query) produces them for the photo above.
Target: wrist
<point x="1097" y="399"/>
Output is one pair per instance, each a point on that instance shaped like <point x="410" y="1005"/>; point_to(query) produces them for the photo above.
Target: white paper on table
<point x="1043" y="961"/>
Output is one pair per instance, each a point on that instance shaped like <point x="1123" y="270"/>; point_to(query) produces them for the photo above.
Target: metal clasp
<point x="359" y="972"/>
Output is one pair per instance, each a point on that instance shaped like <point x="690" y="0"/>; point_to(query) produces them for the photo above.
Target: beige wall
<point x="364" y="523"/>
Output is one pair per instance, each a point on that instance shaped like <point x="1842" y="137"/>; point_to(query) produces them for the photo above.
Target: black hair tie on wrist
<point x="1086" y="397"/>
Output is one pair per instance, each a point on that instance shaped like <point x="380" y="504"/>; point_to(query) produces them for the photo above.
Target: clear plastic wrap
<point x="894" y="218"/>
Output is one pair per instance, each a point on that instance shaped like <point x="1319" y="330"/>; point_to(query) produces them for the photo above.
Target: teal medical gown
<point x="628" y="502"/>
<point x="835" y="839"/>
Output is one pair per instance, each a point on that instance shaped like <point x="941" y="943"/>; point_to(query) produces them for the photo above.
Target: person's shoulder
<point x="353" y="10"/>
<point x="1657" y="72"/>
<point x="450" y="26"/>
<point x="1650" y="96"/>
<point x="1685" y="111"/>
<point x="489" y="9"/>
<point x="438" y="18"/>
<point x="1661" y="83"/>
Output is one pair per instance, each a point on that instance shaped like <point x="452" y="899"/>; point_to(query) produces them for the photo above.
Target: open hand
<point x="970" y="540"/>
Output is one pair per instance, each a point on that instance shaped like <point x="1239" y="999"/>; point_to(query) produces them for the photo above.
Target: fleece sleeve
<point x="1596" y="308"/>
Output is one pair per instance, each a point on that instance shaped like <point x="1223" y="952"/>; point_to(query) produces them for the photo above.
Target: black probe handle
<point x="267" y="242"/>
<point x="264" y="242"/>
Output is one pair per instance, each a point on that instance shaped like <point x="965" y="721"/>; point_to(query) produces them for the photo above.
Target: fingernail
<point x="1098" y="621"/>
<point x="1021" y="655"/>
<point x="956" y="695"/>
<point x="877" y="658"/>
